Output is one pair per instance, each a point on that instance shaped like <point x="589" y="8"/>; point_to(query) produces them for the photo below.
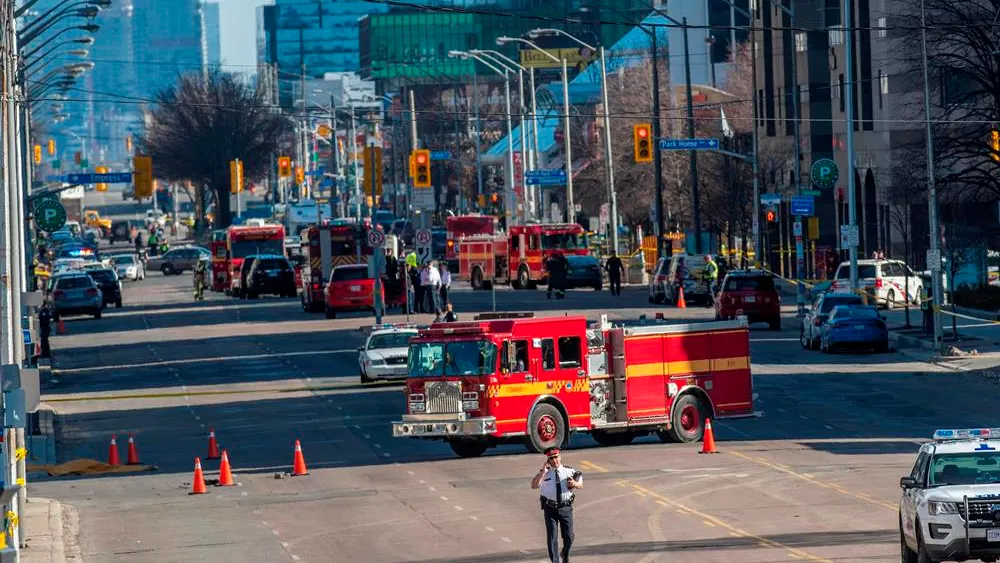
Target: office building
<point x="168" y="40"/>
<point x="213" y="43"/>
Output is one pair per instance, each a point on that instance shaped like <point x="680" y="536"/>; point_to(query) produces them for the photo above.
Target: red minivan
<point x="350" y="289"/>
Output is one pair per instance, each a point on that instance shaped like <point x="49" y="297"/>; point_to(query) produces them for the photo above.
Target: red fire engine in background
<point x="517" y="257"/>
<point x="243" y="241"/>
<point x="461" y="226"/>
<point x="325" y="248"/>
<point x="511" y="377"/>
<point x="220" y="265"/>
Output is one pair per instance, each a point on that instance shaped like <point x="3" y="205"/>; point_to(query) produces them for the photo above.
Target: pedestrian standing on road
<point x="45" y="329"/>
<point x="445" y="283"/>
<point x="138" y="242"/>
<point x="711" y="274"/>
<point x="434" y="281"/>
<point x="615" y="269"/>
<point x="450" y="316"/>
<point x="412" y="283"/>
<point x="927" y="311"/>
<point x="422" y="289"/>
<point x="556" y="483"/>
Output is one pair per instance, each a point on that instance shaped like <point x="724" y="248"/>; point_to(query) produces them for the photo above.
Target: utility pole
<point x="536" y="199"/>
<point x="570" y="205"/>
<point x="693" y="156"/>
<point x="413" y="135"/>
<point x="852" y="216"/>
<point x="612" y="195"/>
<point x="479" y="156"/>
<point x="661" y="223"/>
<point x="354" y="160"/>
<point x="932" y="202"/>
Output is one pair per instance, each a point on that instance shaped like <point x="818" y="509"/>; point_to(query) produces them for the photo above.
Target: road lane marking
<point x="458" y="508"/>
<point x="444" y="498"/>
<point x="473" y="518"/>
<point x="208" y="360"/>
<point x="828" y="427"/>
<point x="810" y="479"/>
<point x="713" y="521"/>
<point x="488" y="529"/>
<point x="506" y="539"/>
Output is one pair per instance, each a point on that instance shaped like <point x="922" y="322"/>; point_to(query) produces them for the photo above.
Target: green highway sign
<point x="824" y="173"/>
<point x="50" y="215"/>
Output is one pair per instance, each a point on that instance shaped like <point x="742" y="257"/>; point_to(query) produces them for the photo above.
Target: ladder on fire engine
<point x="617" y="363"/>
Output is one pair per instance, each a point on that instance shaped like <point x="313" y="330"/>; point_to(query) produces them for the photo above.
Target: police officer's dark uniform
<point x="45" y="329"/>
<point x="556" y="483"/>
<point x="557" y="267"/>
<point x="615" y="270"/>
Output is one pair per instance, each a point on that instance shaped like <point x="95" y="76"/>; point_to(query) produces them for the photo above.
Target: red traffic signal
<point x="421" y="158"/>
<point x="771" y="216"/>
<point x="642" y="132"/>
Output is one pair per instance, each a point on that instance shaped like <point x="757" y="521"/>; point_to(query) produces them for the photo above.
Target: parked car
<point x="122" y="231"/>
<point x="155" y="218"/>
<point x="129" y="267"/>
<point x="385" y="353"/>
<point x="681" y="270"/>
<point x="177" y="260"/>
<point x="75" y="293"/>
<point x="111" y="286"/>
<point x="750" y="293"/>
<point x="270" y="275"/>
<point x="887" y="281"/>
<point x="812" y="322"/>
<point x="584" y="271"/>
<point x="350" y="289"/>
<point x="854" y="327"/>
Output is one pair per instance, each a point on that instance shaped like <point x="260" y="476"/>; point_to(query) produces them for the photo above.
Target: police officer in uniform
<point x="557" y="484"/>
<point x="615" y="269"/>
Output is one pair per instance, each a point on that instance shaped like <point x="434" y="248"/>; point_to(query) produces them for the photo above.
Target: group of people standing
<point x="427" y="289"/>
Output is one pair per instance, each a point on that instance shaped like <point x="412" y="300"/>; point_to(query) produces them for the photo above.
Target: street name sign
<point x="112" y="178"/>
<point x="689" y="144"/>
<point x="545" y="177"/>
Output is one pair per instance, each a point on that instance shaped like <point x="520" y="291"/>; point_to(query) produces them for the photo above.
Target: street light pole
<point x="932" y="203"/>
<point x="696" y="200"/>
<point x="852" y="217"/>
<point x="612" y="192"/>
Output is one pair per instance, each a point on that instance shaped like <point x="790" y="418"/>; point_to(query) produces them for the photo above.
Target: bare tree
<point x="198" y="125"/>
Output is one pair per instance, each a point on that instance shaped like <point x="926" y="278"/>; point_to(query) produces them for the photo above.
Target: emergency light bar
<point x="967" y="434"/>
<point x="501" y="316"/>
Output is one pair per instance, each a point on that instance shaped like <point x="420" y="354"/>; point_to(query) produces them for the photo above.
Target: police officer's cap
<point x="552" y="452"/>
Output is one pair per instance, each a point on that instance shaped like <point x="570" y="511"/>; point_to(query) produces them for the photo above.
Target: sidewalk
<point x="52" y="532"/>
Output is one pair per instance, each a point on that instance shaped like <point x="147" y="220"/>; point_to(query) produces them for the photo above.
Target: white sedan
<point x="384" y="354"/>
<point x="129" y="267"/>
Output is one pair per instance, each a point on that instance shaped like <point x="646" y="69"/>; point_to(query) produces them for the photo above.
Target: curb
<point x="905" y="341"/>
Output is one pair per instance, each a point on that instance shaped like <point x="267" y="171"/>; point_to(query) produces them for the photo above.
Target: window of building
<point x="957" y="87"/>
<point x="880" y="28"/>
<point x="836" y="36"/>
<point x="883" y="81"/>
<point x="835" y="88"/>
<point x="800" y="42"/>
<point x="753" y="8"/>
<point x="569" y="352"/>
<point x="840" y="91"/>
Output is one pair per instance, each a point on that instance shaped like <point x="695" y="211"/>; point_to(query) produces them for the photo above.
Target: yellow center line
<point x="710" y="520"/>
<point x="810" y="479"/>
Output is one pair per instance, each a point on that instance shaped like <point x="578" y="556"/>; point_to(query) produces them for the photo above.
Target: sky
<point x="238" y="34"/>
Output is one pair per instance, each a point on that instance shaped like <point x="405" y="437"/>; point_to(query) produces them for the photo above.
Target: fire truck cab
<point x="510" y="377"/>
<point x="517" y="257"/>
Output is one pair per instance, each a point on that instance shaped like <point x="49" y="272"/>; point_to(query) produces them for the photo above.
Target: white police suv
<point x="385" y="353"/>
<point x="950" y="506"/>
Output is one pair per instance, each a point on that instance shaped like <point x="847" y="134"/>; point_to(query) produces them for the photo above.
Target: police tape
<point x="964" y="316"/>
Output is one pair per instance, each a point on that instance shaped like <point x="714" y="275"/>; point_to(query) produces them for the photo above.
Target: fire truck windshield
<point x="437" y="359"/>
<point x="244" y="248"/>
<point x="565" y="241"/>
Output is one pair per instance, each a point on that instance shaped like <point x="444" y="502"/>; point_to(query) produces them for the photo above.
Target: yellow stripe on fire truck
<point x="537" y="388"/>
<point x="687" y="366"/>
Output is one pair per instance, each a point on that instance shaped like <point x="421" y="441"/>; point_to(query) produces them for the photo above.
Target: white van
<point x="890" y="282"/>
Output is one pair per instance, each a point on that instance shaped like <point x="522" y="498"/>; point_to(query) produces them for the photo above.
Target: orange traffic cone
<point x="113" y="458"/>
<point x="681" y="304"/>
<point x="213" y="446"/>
<point x="133" y="454"/>
<point x="299" y="465"/>
<point x="225" y="472"/>
<point x="60" y="326"/>
<point x="198" y="481"/>
<point x="708" y="441"/>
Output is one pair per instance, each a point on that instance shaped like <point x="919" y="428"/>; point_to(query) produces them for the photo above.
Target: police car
<point x="385" y="352"/>
<point x="950" y="505"/>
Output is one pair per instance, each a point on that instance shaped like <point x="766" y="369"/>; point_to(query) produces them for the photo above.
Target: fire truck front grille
<point x="444" y="397"/>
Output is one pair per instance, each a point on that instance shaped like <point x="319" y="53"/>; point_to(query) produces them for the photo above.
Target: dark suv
<point x="750" y="293"/>
<point x="270" y="275"/>
<point x="111" y="286"/>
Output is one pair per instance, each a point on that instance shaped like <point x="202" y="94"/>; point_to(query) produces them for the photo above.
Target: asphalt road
<point x="815" y="479"/>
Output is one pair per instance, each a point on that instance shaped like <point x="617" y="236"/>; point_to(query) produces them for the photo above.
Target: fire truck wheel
<point x="523" y="278"/>
<point x="477" y="279"/>
<point x="467" y="448"/>
<point x="605" y="438"/>
<point x="686" y="422"/>
<point x="546" y="428"/>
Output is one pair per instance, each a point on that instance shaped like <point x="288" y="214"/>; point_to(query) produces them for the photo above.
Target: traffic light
<point x="38" y="154"/>
<point x="300" y="175"/>
<point x="772" y="215"/>
<point x="284" y="167"/>
<point x="101" y="187"/>
<point x="995" y="144"/>
<point x="52" y="147"/>
<point x="373" y="167"/>
<point x="481" y="200"/>
<point x="422" y="168"/>
<point x="142" y="176"/>
<point x="235" y="176"/>
<point x="78" y="157"/>
<point x="642" y="139"/>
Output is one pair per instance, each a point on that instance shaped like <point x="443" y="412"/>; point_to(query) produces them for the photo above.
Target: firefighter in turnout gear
<point x="200" y="275"/>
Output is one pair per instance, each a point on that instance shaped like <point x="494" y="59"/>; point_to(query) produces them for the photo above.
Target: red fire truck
<point x="326" y="247"/>
<point x="243" y="241"/>
<point x="461" y="226"/>
<point x="518" y="257"/>
<point x="511" y="377"/>
<point x="220" y="265"/>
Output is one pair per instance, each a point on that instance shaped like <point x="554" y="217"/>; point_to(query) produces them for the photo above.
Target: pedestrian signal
<point x="642" y="141"/>
<point x="100" y="186"/>
<point x="422" y="168"/>
<point x="300" y="175"/>
<point x="52" y="147"/>
<point x="38" y="154"/>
